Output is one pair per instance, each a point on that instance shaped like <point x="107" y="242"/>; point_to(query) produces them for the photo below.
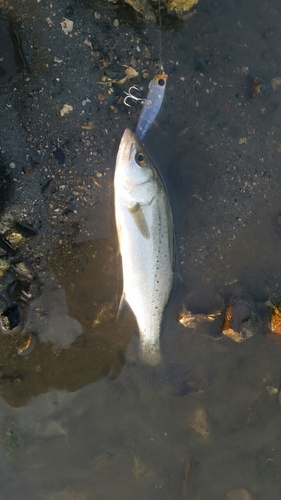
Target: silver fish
<point x="145" y="234"/>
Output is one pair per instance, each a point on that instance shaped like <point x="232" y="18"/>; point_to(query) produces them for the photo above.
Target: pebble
<point x="85" y="101"/>
<point x="239" y="322"/>
<point x="67" y="108"/>
<point x="199" y="422"/>
<point x="66" y="26"/>
<point x="59" y="154"/>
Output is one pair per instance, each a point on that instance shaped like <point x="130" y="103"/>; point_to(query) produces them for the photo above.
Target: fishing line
<point x="155" y="96"/>
<point x="160" y="38"/>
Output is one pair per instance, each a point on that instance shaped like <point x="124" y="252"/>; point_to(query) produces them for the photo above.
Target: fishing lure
<point x="152" y="104"/>
<point x="129" y="95"/>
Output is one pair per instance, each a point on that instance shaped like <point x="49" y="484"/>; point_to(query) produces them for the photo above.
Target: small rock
<point x="180" y="6"/>
<point x="239" y="322"/>
<point x="66" y="26"/>
<point x="271" y="390"/>
<point x="87" y="126"/>
<point x="67" y="108"/>
<point x="199" y="422"/>
<point x="59" y="154"/>
<point x="275" y="318"/>
<point x="242" y="140"/>
<point x="49" y="21"/>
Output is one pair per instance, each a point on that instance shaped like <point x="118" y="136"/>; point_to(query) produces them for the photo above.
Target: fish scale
<point x="146" y="242"/>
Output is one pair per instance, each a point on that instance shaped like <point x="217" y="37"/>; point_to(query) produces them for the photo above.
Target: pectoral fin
<point x="140" y="221"/>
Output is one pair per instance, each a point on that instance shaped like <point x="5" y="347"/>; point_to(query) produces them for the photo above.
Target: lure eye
<point x="161" y="82"/>
<point x="140" y="159"/>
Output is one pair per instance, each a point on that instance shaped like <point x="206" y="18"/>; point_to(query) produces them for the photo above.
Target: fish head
<point x="134" y="171"/>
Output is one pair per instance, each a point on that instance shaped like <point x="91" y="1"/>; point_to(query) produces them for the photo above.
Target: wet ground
<point x="79" y="417"/>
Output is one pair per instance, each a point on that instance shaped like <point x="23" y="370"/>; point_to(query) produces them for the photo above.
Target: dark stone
<point x="59" y="154"/>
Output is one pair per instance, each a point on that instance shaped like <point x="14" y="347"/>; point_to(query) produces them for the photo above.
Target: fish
<point x="146" y="241"/>
<point x="152" y="104"/>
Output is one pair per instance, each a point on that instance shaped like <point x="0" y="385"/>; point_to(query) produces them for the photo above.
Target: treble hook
<point x="129" y="95"/>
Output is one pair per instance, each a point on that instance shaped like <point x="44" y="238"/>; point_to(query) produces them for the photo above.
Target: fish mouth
<point x="128" y="142"/>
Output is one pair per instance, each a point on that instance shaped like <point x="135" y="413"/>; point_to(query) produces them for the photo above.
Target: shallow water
<point x="88" y="421"/>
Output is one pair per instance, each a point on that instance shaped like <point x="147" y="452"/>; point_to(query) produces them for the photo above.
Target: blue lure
<point x="151" y="105"/>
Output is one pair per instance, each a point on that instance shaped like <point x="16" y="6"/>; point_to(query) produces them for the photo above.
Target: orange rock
<point x="239" y="322"/>
<point x="275" y="318"/>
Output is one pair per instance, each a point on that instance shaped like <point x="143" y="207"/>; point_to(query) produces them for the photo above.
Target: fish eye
<point x="161" y="82"/>
<point x="140" y="159"/>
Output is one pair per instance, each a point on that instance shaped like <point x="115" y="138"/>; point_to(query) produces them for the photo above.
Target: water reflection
<point x="73" y="349"/>
<point x="48" y="314"/>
